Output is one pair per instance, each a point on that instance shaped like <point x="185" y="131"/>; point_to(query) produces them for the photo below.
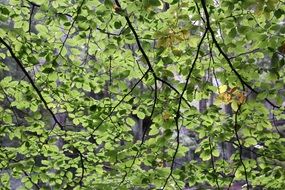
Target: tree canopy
<point x="150" y="94"/>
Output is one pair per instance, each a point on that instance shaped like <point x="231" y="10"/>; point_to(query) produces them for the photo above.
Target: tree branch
<point x="240" y="145"/>
<point x="213" y="164"/>
<point x="31" y="16"/>
<point x="68" y="33"/>
<point x="242" y="81"/>
<point x="31" y="82"/>
<point x="179" y="106"/>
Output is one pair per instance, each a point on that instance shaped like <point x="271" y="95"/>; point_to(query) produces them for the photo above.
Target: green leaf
<point x="93" y="107"/>
<point x="33" y="60"/>
<point x="216" y="153"/>
<point x="234" y="105"/>
<point x="4" y="11"/>
<point x="108" y="3"/>
<point x="233" y="33"/>
<point x="118" y="25"/>
<point x="274" y="60"/>
<point x="41" y="28"/>
<point x="174" y="2"/>
<point x="205" y="155"/>
<point x="250" y="142"/>
<point x="48" y="70"/>
<point x="149" y="3"/>
<point x="130" y="121"/>
<point x="140" y="115"/>
<point x="5" y="82"/>
<point x="278" y="13"/>
<point x="154" y="2"/>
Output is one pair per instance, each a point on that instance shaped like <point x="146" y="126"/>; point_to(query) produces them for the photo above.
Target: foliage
<point x="77" y="76"/>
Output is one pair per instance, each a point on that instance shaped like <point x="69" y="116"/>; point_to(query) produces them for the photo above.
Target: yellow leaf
<point x="223" y="89"/>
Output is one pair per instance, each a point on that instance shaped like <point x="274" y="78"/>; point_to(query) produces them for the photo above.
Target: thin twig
<point x="68" y="33"/>
<point x="179" y="106"/>
<point x="245" y="53"/>
<point x="213" y="164"/>
<point x="114" y="108"/>
<point x="176" y="183"/>
<point x="240" y="145"/>
<point x="82" y="167"/>
<point x="30" y="179"/>
<point x="234" y="174"/>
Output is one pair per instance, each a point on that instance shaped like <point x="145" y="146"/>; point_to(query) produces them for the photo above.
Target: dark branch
<point x="31" y="82"/>
<point x="30" y="179"/>
<point x="245" y="53"/>
<point x="179" y="106"/>
<point x="213" y="164"/>
<point x="82" y="167"/>
<point x="147" y="58"/>
<point x="31" y="17"/>
<point x="240" y="145"/>
<point x="138" y="42"/>
<point x="242" y="81"/>
<point x="114" y="108"/>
